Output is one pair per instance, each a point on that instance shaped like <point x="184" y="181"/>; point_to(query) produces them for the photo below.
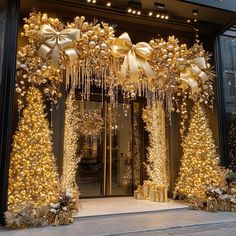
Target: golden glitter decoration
<point x="199" y="168"/>
<point x="90" y="123"/>
<point x="157" y="168"/>
<point x="164" y="62"/>
<point x="70" y="156"/>
<point x="32" y="173"/>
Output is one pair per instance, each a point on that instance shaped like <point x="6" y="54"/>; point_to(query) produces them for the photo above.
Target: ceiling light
<point x="133" y="11"/>
<point x="162" y="16"/>
<point x="166" y="17"/>
<point x="150" y="13"/>
<point x="195" y="20"/>
<point x="88" y="0"/>
<point x="94" y="1"/>
<point x="159" y="5"/>
<point x="195" y="12"/>
<point x="188" y="21"/>
<point x="129" y="10"/>
<point x="139" y="13"/>
<point x="108" y="4"/>
<point x="158" y="15"/>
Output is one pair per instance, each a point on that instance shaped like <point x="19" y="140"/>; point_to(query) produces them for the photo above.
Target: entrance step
<point x="124" y="205"/>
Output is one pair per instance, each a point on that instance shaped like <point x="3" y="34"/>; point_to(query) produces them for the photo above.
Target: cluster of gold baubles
<point x="91" y="51"/>
<point x="90" y="123"/>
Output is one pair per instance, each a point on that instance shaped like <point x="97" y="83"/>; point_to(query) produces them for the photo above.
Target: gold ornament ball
<point x="92" y="44"/>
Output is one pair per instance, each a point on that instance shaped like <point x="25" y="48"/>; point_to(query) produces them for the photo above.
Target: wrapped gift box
<point x="212" y="204"/>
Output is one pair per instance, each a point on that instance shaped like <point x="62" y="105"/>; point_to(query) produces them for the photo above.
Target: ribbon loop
<point x="191" y="71"/>
<point x="55" y="41"/>
<point x="135" y="58"/>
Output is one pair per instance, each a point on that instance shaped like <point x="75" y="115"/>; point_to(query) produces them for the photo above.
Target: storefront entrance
<point x="111" y="162"/>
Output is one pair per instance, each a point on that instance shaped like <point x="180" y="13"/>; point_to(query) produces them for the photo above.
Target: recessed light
<point x="129" y="10"/>
<point x="188" y="21"/>
<point x="88" y="0"/>
<point x="195" y="12"/>
<point x="195" y="20"/>
<point x="133" y="11"/>
<point x="108" y="4"/>
<point x="162" y="16"/>
<point x="166" y="17"/>
<point x="94" y="1"/>
<point x="158" y="15"/>
<point x="150" y="13"/>
<point x="139" y="13"/>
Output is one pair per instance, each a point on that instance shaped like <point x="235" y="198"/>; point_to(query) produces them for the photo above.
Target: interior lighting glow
<point x="150" y="13"/>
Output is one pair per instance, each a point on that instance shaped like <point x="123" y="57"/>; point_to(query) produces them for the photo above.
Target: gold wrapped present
<point x="221" y="204"/>
<point x="146" y="189"/>
<point x="227" y="205"/>
<point x="233" y="207"/>
<point x="152" y="195"/>
<point x="212" y="204"/>
<point x="140" y="196"/>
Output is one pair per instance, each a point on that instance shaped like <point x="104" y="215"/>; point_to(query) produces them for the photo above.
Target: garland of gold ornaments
<point x="90" y="54"/>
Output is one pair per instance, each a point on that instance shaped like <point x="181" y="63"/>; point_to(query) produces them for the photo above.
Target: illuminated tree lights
<point x="200" y="161"/>
<point x="33" y="173"/>
<point x="71" y="136"/>
<point x="154" y="117"/>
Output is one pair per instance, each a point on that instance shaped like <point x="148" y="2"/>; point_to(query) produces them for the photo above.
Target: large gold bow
<point x="191" y="72"/>
<point x="135" y="58"/>
<point x="55" y="41"/>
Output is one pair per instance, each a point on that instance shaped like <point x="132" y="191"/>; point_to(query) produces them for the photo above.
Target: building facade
<point x="215" y="23"/>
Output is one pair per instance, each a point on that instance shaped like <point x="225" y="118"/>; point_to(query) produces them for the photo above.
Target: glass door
<point x="110" y="162"/>
<point x="119" y="176"/>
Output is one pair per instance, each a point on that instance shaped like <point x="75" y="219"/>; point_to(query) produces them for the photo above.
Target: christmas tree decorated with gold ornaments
<point x="200" y="161"/>
<point x="33" y="174"/>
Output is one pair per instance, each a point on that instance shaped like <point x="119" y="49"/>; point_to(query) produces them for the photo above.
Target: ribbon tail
<point x="55" y="55"/>
<point x="123" y="72"/>
<point x="148" y="70"/>
<point x="72" y="55"/>
<point x="203" y="77"/>
<point x="133" y="66"/>
<point x="44" y="50"/>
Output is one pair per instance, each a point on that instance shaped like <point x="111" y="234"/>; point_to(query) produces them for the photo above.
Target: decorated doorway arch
<point x="81" y="53"/>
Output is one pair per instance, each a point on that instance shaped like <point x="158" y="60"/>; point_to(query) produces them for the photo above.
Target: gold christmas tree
<point x="154" y="117"/>
<point x="71" y="136"/>
<point x="200" y="161"/>
<point x="33" y="174"/>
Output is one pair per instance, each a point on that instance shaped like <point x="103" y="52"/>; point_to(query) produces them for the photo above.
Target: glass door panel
<point x="119" y="161"/>
<point x="90" y="148"/>
<point x="110" y="162"/>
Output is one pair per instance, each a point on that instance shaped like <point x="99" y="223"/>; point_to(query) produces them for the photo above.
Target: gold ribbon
<point x="135" y="58"/>
<point x="55" y="41"/>
<point x="191" y="72"/>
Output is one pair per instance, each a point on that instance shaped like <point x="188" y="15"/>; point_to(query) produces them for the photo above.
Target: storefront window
<point x="228" y="63"/>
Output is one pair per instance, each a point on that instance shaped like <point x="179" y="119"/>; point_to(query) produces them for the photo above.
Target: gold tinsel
<point x="157" y="169"/>
<point x="70" y="156"/>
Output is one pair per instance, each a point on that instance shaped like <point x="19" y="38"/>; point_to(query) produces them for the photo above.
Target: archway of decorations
<point x="81" y="54"/>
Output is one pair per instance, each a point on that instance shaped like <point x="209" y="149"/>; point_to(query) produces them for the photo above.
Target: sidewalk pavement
<point x="165" y="222"/>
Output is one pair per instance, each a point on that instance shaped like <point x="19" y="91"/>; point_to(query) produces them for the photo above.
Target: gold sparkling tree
<point x="154" y="117"/>
<point x="33" y="174"/>
<point x="232" y="143"/>
<point x="200" y="161"/>
<point x="71" y="136"/>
